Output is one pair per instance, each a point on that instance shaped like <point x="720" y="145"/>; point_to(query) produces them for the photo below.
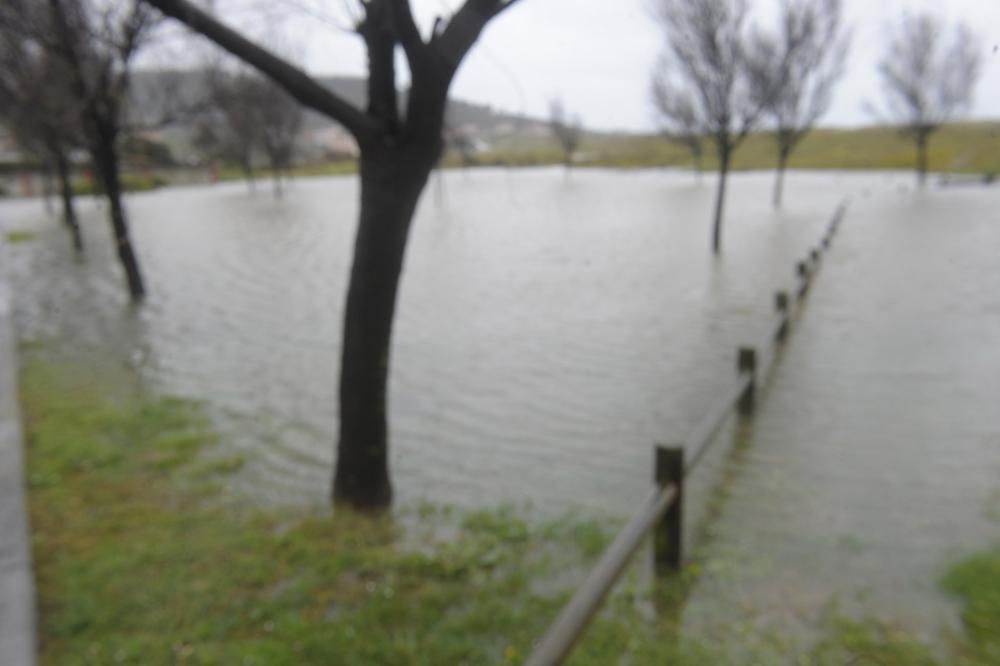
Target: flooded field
<point x="551" y="330"/>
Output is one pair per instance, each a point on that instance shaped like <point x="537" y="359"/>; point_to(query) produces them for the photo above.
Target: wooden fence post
<point x="781" y="306"/>
<point x="802" y="270"/>
<point x="746" y="361"/>
<point x="669" y="533"/>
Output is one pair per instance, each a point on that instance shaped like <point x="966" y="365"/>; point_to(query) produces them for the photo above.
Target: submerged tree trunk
<point x="921" y="141"/>
<point x="46" y="175"/>
<point x="66" y="193"/>
<point x="247" y="168"/>
<point x="779" y="176"/>
<point x="396" y="161"/>
<point x="276" y="176"/>
<point x="391" y="182"/>
<point x="724" y="155"/>
<point x="106" y="161"/>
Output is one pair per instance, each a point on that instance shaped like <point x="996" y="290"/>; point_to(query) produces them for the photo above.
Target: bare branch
<point x="296" y="82"/>
<point x="463" y="29"/>
<point x="705" y="60"/>
<point x="793" y="70"/>
<point x="401" y="18"/>
<point x="567" y="131"/>
<point x="926" y="83"/>
<point x="380" y="40"/>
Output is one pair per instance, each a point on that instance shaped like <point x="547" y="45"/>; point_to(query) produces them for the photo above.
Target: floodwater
<point x="552" y="329"/>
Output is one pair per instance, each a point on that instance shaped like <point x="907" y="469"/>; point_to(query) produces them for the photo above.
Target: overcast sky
<point x="598" y="54"/>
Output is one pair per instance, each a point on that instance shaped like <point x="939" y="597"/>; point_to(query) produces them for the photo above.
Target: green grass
<point x="961" y="148"/>
<point x="341" y="168"/>
<point x="130" y="183"/>
<point x="141" y="558"/>
<point x="976" y="581"/>
<point x="19" y="236"/>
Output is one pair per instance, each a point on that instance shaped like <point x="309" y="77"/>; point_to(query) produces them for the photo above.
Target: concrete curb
<point x="17" y="596"/>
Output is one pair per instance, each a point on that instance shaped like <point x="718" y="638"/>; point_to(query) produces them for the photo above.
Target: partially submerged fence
<point x="662" y="509"/>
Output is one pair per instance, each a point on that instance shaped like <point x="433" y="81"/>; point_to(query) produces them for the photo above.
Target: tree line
<point x="718" y="79"/>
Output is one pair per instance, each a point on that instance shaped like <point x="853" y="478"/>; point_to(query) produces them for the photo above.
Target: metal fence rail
<point x="662" y="509"/>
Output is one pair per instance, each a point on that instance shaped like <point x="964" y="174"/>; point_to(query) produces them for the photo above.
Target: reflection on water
<point x="551" y="330"/>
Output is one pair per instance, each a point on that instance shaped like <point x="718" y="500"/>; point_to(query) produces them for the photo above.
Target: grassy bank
<point x="958" y="148"/>
<point x="967" y="148"/>
<point x="19" y="236"/>
<point x="142" y="558"/>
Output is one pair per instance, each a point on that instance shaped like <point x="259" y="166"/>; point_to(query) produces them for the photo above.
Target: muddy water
<point x="551" y="329"/>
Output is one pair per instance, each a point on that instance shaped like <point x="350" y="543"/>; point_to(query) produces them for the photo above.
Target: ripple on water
<point x="550" y="331"/>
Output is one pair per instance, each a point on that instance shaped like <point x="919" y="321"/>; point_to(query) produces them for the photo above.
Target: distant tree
<point x="679" y="120"/>
<point x="567" y="131"/>
<point x="795" y="70"/>
<point x="97" y="43"/>
<point x="279" y="122"/>
<point x="398" y="152"/>
<point x="460" y="141"/>
<point x="706" y="70"/>
<point x="926" y="80"/>
<point x="94" y="42"/>
<point x="228" y="127"/>
<point x="37" y="108"/>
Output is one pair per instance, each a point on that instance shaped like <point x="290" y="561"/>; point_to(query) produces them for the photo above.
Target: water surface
<point x="550" y="330"/>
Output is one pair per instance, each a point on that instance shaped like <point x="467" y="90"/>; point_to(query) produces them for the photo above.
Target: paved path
<point x="17" y="615"/>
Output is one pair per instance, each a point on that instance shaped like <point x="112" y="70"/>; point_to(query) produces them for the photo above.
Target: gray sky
<point x="598" y="54"/>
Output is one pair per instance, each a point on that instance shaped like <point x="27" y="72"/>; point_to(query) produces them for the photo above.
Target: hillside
<point x="154" y="91"/>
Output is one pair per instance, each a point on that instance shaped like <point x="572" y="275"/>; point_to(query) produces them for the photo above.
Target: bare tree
<point x="398" y="152"/>
<point x="567" y="131"/>
<point x="95" y="43"/>
<point x="926" y="80"/>
<point x="279" y="120"/>
<point x="228" y="128"/>
<point x="39" y="111"/>
<point x="705" y="69"/>
<point x="679" y="120"/>
<point x="795" y="70"/>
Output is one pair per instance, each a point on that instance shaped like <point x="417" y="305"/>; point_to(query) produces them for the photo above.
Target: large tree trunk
<point x="720" y="197"/>
<point x="66" y="193"/>
<point x="921" y="142"/>
<point x="391" y="182"/>
<point x="106" y="160"/>
<point x="779" y="177"/>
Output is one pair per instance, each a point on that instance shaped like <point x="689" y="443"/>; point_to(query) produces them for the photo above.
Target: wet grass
<point x="130" y="182"/>
<point x="19" y="236"/>
<point x="142" y="558"/>
<point x="264" y="176"/>
<point x="976" y="581"/>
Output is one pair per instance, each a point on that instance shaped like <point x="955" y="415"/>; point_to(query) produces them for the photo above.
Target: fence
<point x="662" y="508"/>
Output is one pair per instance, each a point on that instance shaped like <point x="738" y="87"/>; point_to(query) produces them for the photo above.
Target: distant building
<point x="329" y="143"/>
